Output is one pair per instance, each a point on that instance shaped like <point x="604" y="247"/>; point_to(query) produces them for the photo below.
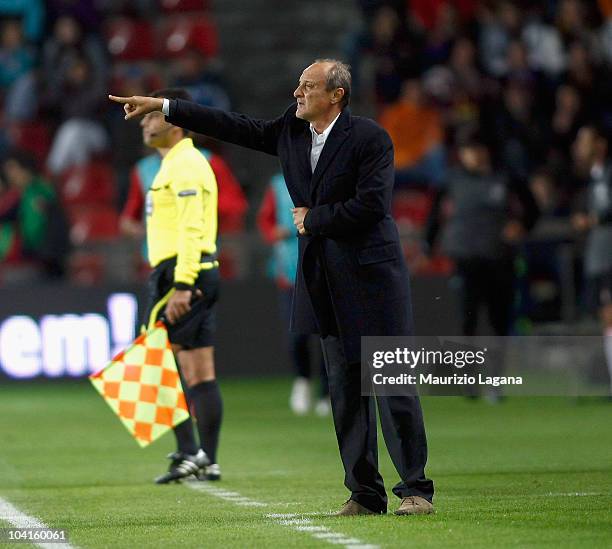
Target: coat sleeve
<point x="239" y="129"/>
<point x="372" y="200"/>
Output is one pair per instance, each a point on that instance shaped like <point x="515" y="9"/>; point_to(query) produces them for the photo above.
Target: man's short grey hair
<point x="338" y="76"/>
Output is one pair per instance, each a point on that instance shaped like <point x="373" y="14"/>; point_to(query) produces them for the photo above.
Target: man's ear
<point x="338" y="95"/>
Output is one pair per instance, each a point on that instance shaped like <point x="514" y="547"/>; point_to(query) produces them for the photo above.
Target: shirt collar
<point x="184" y="143"/>
<point x="323" y="136"/>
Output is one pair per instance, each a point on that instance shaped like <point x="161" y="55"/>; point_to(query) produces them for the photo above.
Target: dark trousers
<point x="355" y="423"/>
<point x="489" y="282"/>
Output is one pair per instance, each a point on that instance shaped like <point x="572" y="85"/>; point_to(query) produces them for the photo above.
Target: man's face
<point x="155" y="130"/>
<point x="16" y="175"/>
<point x="584" y="146"/>
<point x="313" y="100"/>
<point x="474" y="158"/>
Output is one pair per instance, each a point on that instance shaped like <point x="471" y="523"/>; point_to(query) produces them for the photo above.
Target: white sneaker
<point x="202" y="459"/>
<point x="323" y="407"/>
<point x="212" y="472"/>
<point x="299" y="401"/>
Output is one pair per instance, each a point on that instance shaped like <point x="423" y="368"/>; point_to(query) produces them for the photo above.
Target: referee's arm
<point x="190" y="197"/>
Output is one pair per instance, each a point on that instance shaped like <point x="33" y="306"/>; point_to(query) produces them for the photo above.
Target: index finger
<point x="117" y="99"/>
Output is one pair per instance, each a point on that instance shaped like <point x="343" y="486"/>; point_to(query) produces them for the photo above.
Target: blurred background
<point x="506" y="85"/>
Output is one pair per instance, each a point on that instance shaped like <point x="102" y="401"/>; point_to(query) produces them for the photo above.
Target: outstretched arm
<point x="236" y="128"/>
<point x="260" y="135"/>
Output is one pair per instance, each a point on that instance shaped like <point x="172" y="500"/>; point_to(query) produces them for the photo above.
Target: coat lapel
<point x="302" y="152"/>
<point x="335" y="139"/>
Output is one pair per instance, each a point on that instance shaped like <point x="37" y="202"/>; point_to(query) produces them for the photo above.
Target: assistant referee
<point x="181" y="219"/>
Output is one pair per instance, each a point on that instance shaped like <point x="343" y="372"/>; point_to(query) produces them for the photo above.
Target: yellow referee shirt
<point x="181" y="209"/>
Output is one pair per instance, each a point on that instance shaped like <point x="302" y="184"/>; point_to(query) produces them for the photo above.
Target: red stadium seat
<point x="91" y="184"/>
<point x="93" y="224"/>
<point x="183" y="5"/>
<point x="181" y="33"/>
<point x="411" y="206"/>
<point x="439" y="265"/>
<point x="130" y="39"/>
<point x="33" y="137"/>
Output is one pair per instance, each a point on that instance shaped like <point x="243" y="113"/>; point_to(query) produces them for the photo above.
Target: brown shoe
<point x="414" y="505"/>
<point x="352" y="508"/>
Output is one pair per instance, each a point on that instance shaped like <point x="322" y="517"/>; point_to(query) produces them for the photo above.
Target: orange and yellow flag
<point x="142" y="386"/>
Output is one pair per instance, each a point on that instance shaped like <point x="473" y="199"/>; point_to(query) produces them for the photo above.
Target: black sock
<point x="208" y="407"/>
<point x="185" y="437"/>
<point x="185" y="440"/>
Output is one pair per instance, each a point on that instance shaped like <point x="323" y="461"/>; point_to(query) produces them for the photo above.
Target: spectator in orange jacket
<point x="418" y="136"/>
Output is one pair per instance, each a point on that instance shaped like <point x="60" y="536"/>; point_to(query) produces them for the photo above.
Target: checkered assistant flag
<point x="142" y="386"/>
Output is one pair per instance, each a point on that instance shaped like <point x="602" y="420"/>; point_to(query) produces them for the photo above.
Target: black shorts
<point x="599" y="290"/>
<point x="196" y="328"/>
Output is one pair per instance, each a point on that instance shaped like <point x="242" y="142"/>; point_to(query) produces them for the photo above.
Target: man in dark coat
<point x="352" y="280"/>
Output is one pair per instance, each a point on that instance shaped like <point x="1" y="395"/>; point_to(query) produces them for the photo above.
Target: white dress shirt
<point x="318" y="142"/>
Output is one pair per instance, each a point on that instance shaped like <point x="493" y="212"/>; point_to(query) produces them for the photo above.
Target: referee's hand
<point x="179" y="304"/>
<point x="137" y="105"/>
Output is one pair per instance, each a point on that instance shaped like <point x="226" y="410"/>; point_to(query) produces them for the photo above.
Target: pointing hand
<point x="138" y="105"/>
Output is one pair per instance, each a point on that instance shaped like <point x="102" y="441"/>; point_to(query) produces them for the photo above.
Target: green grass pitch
<point x="526" y="473"/>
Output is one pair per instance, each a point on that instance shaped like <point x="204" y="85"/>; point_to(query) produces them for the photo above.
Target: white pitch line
<point x="308" y="528"/>
<point x="225" y="495"/>
<point x="290" y="515"/>
<point x="292" y="522"/>
<point x="569" y="494"/>
<point x="549" y="495"/>
<point x="9" y="513"/>
<point x="300" y="523"/>
<point x="297" y="522"/>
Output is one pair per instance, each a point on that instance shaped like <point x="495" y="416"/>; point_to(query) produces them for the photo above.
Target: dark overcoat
<point x="351" y="273"/>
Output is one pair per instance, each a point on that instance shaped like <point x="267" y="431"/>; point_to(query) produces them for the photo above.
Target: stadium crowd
<point x="58" y="60"/>
<point x="524" y="76"/>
